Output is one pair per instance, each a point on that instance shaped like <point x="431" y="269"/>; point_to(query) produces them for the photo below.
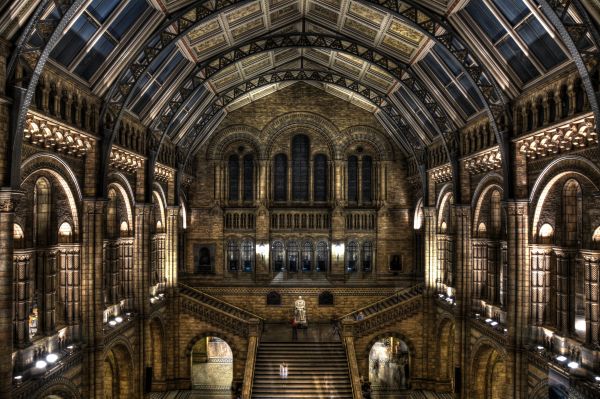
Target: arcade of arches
<point x="176" y="174"/>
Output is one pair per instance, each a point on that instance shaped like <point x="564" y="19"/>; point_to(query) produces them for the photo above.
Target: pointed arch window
<point x="367" y="256"/>
<point x="247" y="256"/>
<point x="320" y="178"/>
<point x="307" y="256"/>
<point x="352" y="178"/>
<point x="233" y="256"/>
<point x="248" y="177"/>
<point x="352" y="257"/>
<point x="280" y="188"/>
<point x="300" y="169"/>
<point x="234" y="177"/>
<point x="367" y="174"/>
<point x="278" y="256"/>
<point x="322" y="256"/>
<point x="293" y="256"/>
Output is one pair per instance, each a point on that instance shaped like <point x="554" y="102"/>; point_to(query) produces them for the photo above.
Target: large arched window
<point x="280" y="177"/>
<point x="367" y="256"/>
<point x="42" y="211"/>
<point x="233" y="256"/>
<point x="234" y="177"/>
<point x="247" y="255"/>
<point x="307" y="255"/>
<point x="278" y="256"/>
<point x="352" y="179"/>
<point x="293" y="256"/>
<point x="367" y="174"/>
<point x="300" y="153"/>
<point x="352" y="256"/>
<point x="322" y="256"/>
<point x="320" y="178"/>
<point x="248" y="177"/>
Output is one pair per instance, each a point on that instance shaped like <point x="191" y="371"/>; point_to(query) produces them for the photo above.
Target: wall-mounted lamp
<point x="338" y="250"/>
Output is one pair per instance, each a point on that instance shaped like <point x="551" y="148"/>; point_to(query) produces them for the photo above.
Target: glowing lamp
<point x="573" y="365"/>
<point x="40" y="364"/>
<point x="52" y="358"/>
<point x="561" y="358"/>
<point x="119" y="319"/>
<point x="338" y="250"/>
<point x="112" y="323"/>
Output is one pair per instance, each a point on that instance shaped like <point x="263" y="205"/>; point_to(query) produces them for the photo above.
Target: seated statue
<point x="300" y="312"/>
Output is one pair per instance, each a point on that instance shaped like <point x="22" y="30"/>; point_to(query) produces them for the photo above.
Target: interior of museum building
<point x="307" y="199"/>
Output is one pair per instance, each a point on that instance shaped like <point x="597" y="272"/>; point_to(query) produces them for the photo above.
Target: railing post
<point x="254" y="331"/>
<point x="348" y="339"/>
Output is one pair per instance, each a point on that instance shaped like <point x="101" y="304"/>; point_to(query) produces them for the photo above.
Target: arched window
<point x="65" y="233"/>
<point x="233" y="256"/>
<point x="247" y="255"/>
<point x="367" y="256"/>
<point x="248" y="177"/>
<point x="293" y="256"/>
<point x="572" y="213"/>
<point x="367" y="174"/>
<point x="300" y="153"/>
<point x="307" y="255"/>
<point x="352" y="256"/>
<point x="234" y="177"/>
<point x="42" y="212"/>
<point x="280" y="178"/>
<point x="322" y="256"/>
<point x="278" y="256"/>
<point x="320" y="178"/>
<point x="352" y="178"/>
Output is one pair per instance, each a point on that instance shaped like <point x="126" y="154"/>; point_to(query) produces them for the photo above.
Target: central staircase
<point x="315" y="370"/>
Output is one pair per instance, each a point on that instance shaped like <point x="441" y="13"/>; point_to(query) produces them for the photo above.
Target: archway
<point x="446" y="352"/>
<point x="157" y="355"/>
<point x="118" y="374"/>
<point x="489" y="374"/>
<point x="389" y="364"/>
<point x="212" y="364"/>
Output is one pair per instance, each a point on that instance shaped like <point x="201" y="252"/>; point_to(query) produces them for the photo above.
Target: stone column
<point x="540" y="284"/>
<point x="564" y="266"/>
<point x="430" y="241"/>
<point x="493" y="264"/>
<point x="348" y="341"/>
<point x="170" y="272"/>
<point x="518" y="295"/>
<point x="92" y="295"/>
<point x="141" y="257"/>
<point x="263" y="187"/>
<point x="7" y="218"/>
<point x="480" y="269"/>
<point x="22" y="281"/>
<point x="591" y="261"/>
<point x="253" y="340"/>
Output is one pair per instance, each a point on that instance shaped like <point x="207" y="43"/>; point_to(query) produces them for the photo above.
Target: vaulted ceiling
<point x="424" y="68"/>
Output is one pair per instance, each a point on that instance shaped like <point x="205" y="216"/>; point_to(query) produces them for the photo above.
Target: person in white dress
<point x="283" y="370"/>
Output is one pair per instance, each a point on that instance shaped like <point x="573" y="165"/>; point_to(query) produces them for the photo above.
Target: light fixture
<point x="40" y="364"/>
<point x="494" y="323"/>
<point x="561" y="358"/>
<point x="161" y="295"/>
<point x="338" y="250"/>
<point x="262" y="249"/>
<point x="119" y="319"/>
<point x="52" y="358"/>
<point x="505" y="330"/>
<point x="597" y="378"/>
<point x="20" y="377"/>
<point x="71" y="347"/>
<point x="540" y="348"/>
<point x="488" y="320"/>
<point x="112" y="323"/>
<point x="580" y="324"/>
<point x="573" y="365"/>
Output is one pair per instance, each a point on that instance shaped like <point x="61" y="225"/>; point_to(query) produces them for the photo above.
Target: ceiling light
<point x="52" y="358"/>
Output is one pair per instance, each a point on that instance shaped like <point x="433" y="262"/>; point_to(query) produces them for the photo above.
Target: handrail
<point x="415" y="288"/>
<point x="250" y="314"/>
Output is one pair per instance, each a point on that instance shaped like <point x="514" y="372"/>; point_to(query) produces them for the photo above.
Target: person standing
<point x="283" y="370"/>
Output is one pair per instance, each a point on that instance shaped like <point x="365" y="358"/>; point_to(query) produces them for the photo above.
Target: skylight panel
<point x="484" y="18"/>
<point x="127" y="18"/>
<point x="513" y="10"/>
<point x="95" y="57"/>
<point x="74" y="40"/>
<point x="451" y="62"/>
<point x="460" y="99"/>
<point x="469" y="87"/>
<point x="168" y="70"/>
<point x="437" y="69"/>
<point x="517" y="60"/>
<point x="101" y="9"/>
<point x="545" y="49"/>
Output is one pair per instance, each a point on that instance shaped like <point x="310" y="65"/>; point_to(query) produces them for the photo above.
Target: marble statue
<point x="300" y="312"/>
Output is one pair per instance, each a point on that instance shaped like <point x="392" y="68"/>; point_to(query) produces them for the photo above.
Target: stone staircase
<point x="387" y="303"/>
<point x="315" y="370"/>
<point x="197" y="295"/>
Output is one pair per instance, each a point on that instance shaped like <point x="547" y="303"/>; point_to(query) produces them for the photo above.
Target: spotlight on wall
<point x="52" y="358"/>
<point x="40" y="364"/>
<point x="580" y="324"/>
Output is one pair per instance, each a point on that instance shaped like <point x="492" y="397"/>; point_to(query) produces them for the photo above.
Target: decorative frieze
<point x="572" y="135"/>
<point x="441" y="174"/>
<point x="125" y="160"/>
<point x="47" y="133"/>
<point x="484" y="161"/>
<point x="163" y="173"/>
